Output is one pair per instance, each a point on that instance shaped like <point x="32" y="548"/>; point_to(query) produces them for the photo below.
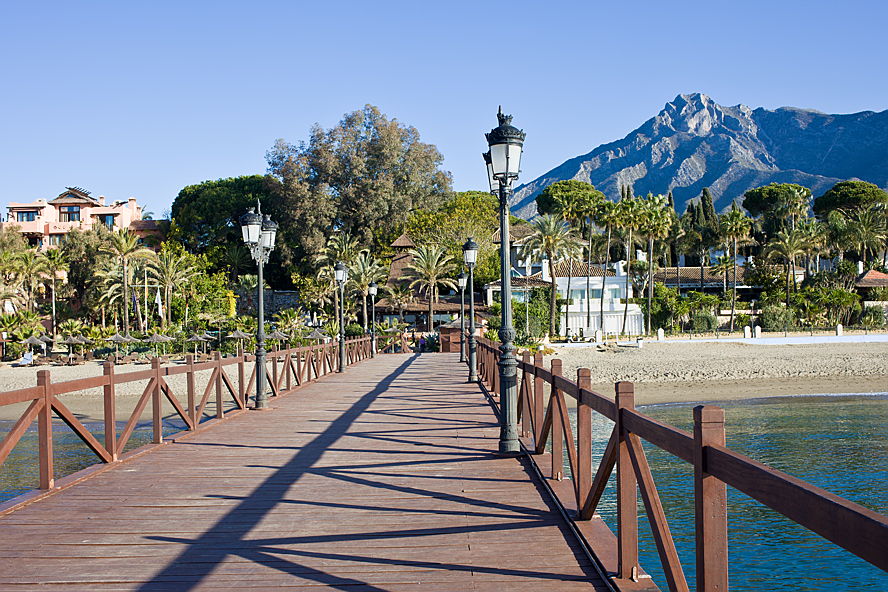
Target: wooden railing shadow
<point x="288" y="369"/>
<point x="545" y="423"/>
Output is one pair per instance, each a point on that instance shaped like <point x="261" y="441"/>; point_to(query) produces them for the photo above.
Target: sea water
<point x="837" y="442"/>
<point x="20" y="472"/>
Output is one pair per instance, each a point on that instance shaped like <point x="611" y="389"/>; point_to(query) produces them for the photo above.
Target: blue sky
<point x="126" y="98"/>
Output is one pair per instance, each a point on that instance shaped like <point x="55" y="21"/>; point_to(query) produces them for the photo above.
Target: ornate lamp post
<point x="341" y="272"/>
<point x="461" y="282"/>
<point x="372" y="289"/>
<point x="503" y="164"/>
<point x="259" y="234"/>
<point x="470" y="256"/>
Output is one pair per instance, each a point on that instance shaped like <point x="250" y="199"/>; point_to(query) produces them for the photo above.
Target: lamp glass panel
<point x="514" y="159"/>
<point x="251" y="233"/>
<point x="267" y="239"/>
<point x="498" y="158"/>
<point x="340" y="274"/>
<point x="470" y="256"/>
<point x="461" y="280"/>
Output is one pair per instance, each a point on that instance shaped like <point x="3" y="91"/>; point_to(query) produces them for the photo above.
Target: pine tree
<point x="708" y="209"/>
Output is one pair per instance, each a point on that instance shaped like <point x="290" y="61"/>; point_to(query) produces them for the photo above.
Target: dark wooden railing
<point x="850" y="526"/>
<point x="288" y="369"/>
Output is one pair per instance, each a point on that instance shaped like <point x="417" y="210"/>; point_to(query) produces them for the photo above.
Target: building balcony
<point x="34" y="227"/>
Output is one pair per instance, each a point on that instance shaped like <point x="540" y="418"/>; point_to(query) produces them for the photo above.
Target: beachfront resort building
<point x="44" y="223"/>
<point x="571" y="281"/>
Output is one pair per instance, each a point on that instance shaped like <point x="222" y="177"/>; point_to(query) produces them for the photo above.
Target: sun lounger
<point x="25" y="360"/>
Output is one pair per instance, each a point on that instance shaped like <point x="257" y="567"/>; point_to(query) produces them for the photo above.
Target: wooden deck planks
<point x="381" y="478"/>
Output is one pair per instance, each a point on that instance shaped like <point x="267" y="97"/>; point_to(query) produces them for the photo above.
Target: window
<point x="26" y="216"/>
<point x="69" y="214"/>
<point x="107" y="220"/>
<point x="56" y="239"/>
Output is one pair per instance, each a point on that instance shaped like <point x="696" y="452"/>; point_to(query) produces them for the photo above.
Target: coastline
<point x="681" y="372"/>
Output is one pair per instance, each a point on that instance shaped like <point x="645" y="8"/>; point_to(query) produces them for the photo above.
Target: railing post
<point x="217" y="357"/>
<point x="240" y="376"/>
<point x="710" y="503"/>
<point x="189" y="381"/>
<point x="557" y="430"/>
<point x="274" y="369"/>
<point x="538" y="397"/>
<point x="287" y="368"/>
<point x="584" y="438"/>
<point x="525" y="394"/>
<point x="627" y="501"/>
<point x="44" y="432"/>
<point x="110" y="411"/>
<point x="156" y="412"/>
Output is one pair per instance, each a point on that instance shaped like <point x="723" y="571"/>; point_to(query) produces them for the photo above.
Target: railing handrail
<point x="290" y="369"/>
<point x="847" y="524"/>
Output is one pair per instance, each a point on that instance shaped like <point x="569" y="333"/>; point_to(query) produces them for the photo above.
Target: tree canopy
<point x="362" y="176"/>
<point x="847" y="195"/>
<point x="580" y="195"/>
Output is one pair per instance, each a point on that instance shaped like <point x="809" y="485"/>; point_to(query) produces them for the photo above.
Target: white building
<point x="574" y="314"/>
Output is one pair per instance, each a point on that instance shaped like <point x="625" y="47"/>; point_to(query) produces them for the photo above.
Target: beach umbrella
<point x="277" y="336"/>
<point x="315" y="334"/>
<point x="46" y="339"/>
<point x="81" y="340"/>
<point x="196" y="339"/>
<point x="33" y="341"/>
<point x="155" y="339"/>
<point x="116" y="339"/>
<point x="70" y="341"/>
<point x="240" y="336"/>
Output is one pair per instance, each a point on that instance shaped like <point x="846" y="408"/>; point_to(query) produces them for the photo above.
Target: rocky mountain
<point x="695" y="143"/>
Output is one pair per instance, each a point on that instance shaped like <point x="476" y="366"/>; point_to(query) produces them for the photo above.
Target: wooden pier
<point x="379" y="478"/>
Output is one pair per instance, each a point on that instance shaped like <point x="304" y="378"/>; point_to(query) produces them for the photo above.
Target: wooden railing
<point x="847" y="524"/>
<point x="288" y="369"/>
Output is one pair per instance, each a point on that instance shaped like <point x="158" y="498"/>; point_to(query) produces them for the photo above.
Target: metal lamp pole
<point x="372" y="290"/>
<point x="341" y="272"/>
<point x="259" y="233"/>
<point x="461" y="281"/>
<point x="506" y="142"/>
<point x="470" y="256"/>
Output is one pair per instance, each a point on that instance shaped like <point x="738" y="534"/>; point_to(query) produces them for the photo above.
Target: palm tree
<point x="236" y="258"/>
<point x="629" y="213"/>
<point x="735" y="227"/>
<point x="867" y="228"/>
<point x="341" y="246"/>
<point x="124" y="246"/>
<point x="552" y="239"/>
<point x="606" y="216"/>
<point x="655" y="223"/>
<point x="31" y="270"/>
<point x="787" y="245"/>
<point x="56" y="263"/>
<point x="365" y="270"/>
<point x="428" y="271"/>
<point x="171" y="270"/>
<point x="399" y="296"/>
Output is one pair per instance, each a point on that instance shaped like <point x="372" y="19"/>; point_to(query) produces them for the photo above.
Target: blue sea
<point x="837" y="442"/>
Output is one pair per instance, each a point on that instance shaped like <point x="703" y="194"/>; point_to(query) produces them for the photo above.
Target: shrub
<point x="703" y="321"/>
<point x="741" y="320"/>
<point x="776" y="318"/>
<point x="354" y="330"/>
<point x="872" y="317"/>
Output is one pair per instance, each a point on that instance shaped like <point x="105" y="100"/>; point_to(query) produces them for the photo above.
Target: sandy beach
<point x="666" y="372"/>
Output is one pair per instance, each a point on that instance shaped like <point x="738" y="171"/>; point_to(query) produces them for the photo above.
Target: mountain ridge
<point x="693" y="142"/>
